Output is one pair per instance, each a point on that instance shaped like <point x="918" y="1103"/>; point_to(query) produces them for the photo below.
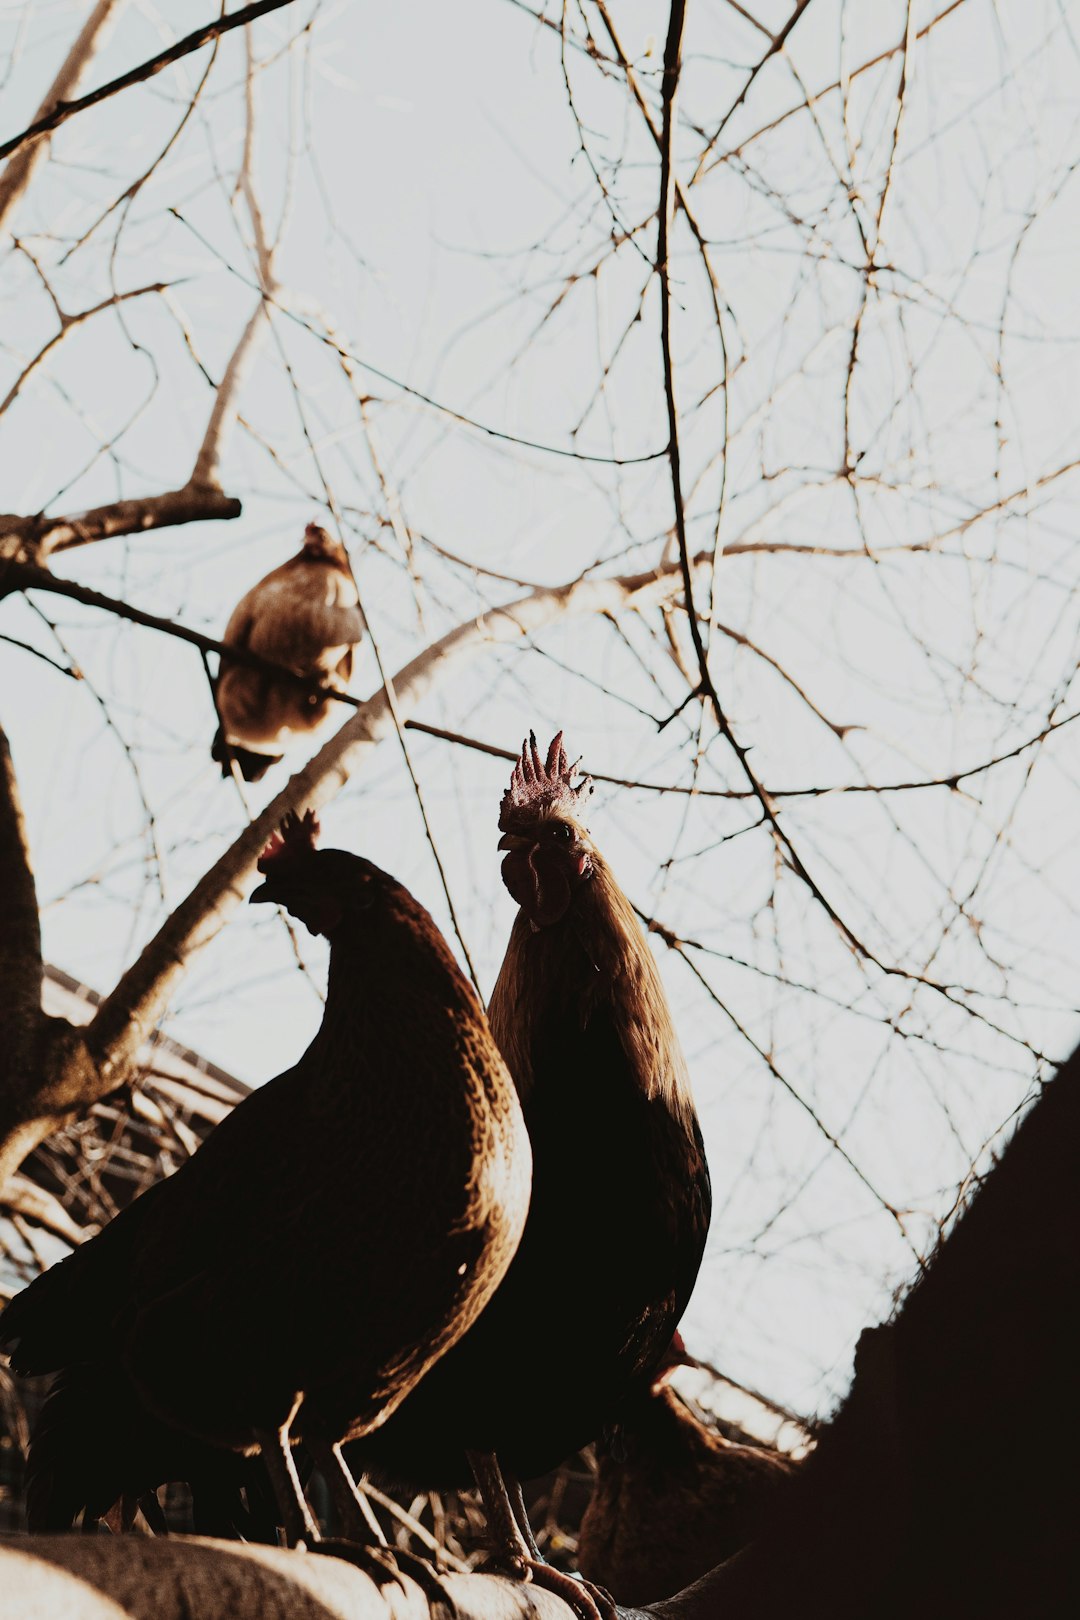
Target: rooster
<point x="306" y="617"/>
<point x="331" y="1239"/>
<point x="673" y="1498"/>
<point x="621" y="1195"/>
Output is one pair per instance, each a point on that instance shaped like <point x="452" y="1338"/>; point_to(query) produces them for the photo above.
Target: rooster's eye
<point x="561" y="831"/>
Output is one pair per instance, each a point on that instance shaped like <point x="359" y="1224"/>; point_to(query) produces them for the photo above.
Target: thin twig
<point x="63" y="110"/>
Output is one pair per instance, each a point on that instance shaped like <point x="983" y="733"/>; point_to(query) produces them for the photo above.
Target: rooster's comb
<point x="537" y="784"/>
<point x="297" y="836"/>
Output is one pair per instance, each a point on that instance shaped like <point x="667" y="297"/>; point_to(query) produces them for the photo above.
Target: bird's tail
<point x="253" y="766"/>
<point x="79" y="1448"/>
<point x="66" y="1315"/>
<point x="95" y="1445"/>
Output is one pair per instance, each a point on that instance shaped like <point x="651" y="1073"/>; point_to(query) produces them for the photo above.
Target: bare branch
<point x="776" y="44"/>
<point x="19" y="171"/>
<point x="69" y="323"/>
<point x="126" y="1017"/>
<point x="206" y="472"/>
<point x="24" y="1197"/>
<point x="40" y="536"/>
<point x="916" y="785"/>
<point x="63" y="110"/>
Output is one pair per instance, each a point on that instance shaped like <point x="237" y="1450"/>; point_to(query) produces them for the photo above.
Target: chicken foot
<point x="364" y="1543"/>
<point x="512" y="1534"/>
<point x="300" y="1528"/>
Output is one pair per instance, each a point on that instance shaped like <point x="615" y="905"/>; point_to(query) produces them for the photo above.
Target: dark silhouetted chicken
<point x="621" y="1200"/>
<point x="305" y="616"/>
<point x="333" y="1236"/>
<point x="673" y="1498"/>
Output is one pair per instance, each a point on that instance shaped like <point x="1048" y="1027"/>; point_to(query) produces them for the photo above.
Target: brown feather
<point x="304" y="615"/>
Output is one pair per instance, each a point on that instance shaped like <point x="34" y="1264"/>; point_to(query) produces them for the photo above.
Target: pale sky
<point x="441" y="222"/>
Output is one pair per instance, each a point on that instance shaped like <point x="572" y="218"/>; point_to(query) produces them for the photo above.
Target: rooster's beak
<point x="261" y="896"/>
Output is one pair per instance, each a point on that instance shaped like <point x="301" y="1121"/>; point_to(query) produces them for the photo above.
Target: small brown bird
<point x="306" y="617"/>
<point x="673" y="1498"/>
<point x="621" y="1195"/>
<point x="333" y="1236"/>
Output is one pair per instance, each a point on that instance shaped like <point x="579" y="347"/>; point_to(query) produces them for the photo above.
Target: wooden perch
<point x="189" y="1578"/>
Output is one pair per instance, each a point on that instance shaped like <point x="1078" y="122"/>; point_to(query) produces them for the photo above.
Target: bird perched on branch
<point x="621" y="1198"/>
<point x="306" y="617"/>
<point x="673" y="1498"/>
<point x="330" y="1240"/>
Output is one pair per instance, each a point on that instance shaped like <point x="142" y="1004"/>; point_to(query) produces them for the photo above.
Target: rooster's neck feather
<point x="595" y="963"/>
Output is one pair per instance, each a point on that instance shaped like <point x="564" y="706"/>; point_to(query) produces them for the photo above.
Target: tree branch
<point x="24" y="1197"/>
<point x="208" y="461"/>
<point x="19" y="171"/>
<point x="777" y="43"/>
<point x="126" y="1016"/>
<point x="70" y="323"/>
<point x="63" y="110"/>
<point x="40" y="536"/>
<point x="27" y="576"/>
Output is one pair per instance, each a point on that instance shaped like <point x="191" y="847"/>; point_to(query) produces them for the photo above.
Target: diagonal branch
<point x="69" y="323"/>
<point x="127" y="1016"/>
<point x="63" y="110"/>
<point x="19" y="171"/>
<point x="200" y="499"/>
<point x="206" y="472"/>
<point x="776" y="43"/>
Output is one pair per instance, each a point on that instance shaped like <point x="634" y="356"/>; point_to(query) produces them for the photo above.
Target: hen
<point x="333" y="1236"/>
<point x="306" y="617"/>
<point x="621" y="1196"/>
<point x="673" y="1498"/>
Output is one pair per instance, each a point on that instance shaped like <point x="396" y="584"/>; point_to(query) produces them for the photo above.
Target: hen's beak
<point x="261" y="896"/>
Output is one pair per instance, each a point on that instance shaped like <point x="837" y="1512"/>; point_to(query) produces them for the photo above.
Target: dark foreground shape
<point x="947" y="1487"/>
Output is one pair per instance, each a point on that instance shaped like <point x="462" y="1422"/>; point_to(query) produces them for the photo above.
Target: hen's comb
<point x="537" y="784"/>
<point x="297" y="836"/>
